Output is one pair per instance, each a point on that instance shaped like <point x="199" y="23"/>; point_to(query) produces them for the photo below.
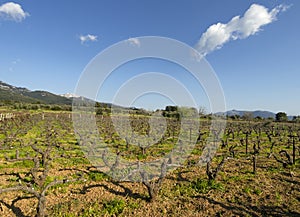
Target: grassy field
<point x="44" y="172"/>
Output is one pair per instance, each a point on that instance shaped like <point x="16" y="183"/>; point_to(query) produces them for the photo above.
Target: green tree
<point x="281" y="116"/>
<point x="171" y="108"/>
<point x="296" y="119"/>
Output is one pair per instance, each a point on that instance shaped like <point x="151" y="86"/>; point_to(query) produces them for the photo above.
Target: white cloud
<point x="87" y="38"/>
<point x="237" y="28"/>
<point x="13" y="11"/>
<point x="134" y="42"/>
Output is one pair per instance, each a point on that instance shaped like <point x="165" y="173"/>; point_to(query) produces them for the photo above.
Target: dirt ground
<point x="238" y="193"/>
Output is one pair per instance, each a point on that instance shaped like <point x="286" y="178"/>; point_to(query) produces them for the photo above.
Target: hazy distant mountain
<point x="258" y="113"/>
<point x="264" y="114"/>
<point x="20" y="94"/>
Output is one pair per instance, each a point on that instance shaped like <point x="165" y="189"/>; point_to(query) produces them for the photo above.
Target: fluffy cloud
<point x="237" y="28"/>
<point x="87" y="38"/>
<point x="134" y="42"/>
<point x="12" y="11"/>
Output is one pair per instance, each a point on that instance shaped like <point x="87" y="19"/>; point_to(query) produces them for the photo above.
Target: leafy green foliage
<point x="114" y="207"/>
<point x="281" y="116"/>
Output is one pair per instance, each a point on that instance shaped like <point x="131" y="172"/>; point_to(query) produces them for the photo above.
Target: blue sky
<point x="47" y="44"/>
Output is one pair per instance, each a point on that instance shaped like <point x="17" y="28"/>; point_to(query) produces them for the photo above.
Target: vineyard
<point x="45" y="170"/>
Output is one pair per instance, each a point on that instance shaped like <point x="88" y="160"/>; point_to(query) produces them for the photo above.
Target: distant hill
<point x="20" y="94"/>
<point x="258" y="113"/>
<point x="10" y="93"/>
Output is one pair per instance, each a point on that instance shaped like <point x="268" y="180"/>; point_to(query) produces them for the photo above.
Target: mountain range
<point x="20" y="94"/>
<point x="258" y="113"/>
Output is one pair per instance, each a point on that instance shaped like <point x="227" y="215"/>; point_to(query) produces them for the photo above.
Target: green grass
<point x="199" y="186"/>
<point x="247" y="190"/>
<point x="257" y="191"/>
<point x="114" y="207"/>
<point x="234" y="179"/>
<point x="73" y="161"/>
<point x="21" y="164"/>
<point x="196" y="151"/>
<point x="203" y="186"/>
<point x="97" y="176"/>
<point x="63" y="209"/>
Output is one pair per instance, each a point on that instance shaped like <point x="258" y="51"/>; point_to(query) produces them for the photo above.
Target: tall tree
<point x="281" y="116"/>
